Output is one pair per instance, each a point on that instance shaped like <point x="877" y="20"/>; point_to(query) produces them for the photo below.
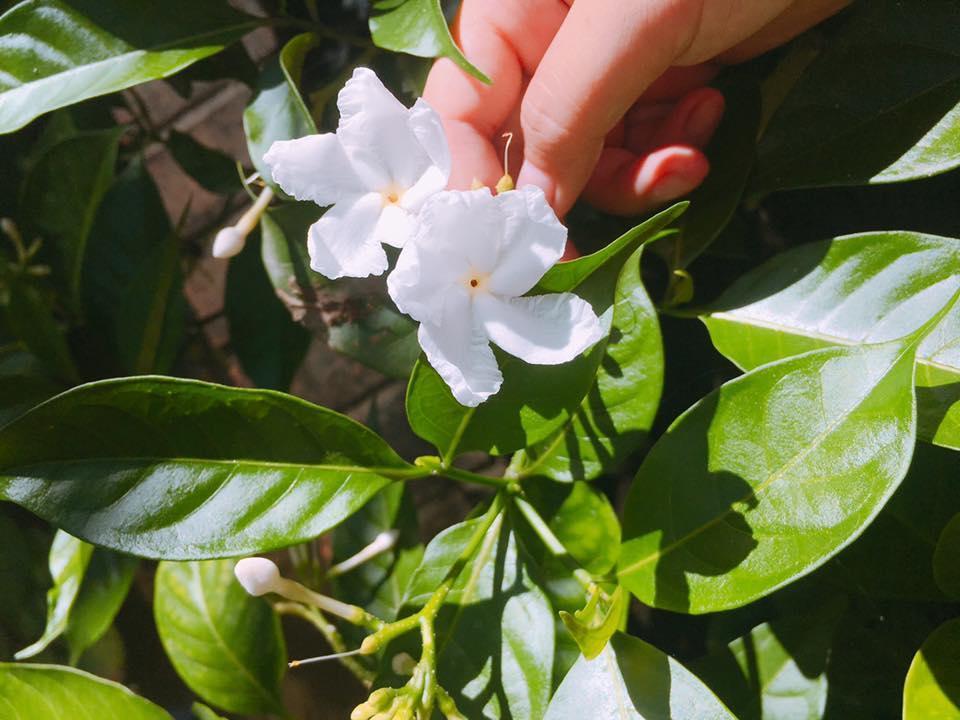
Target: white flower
<point x="379" y="167"/>
<point x="462" y="275"/>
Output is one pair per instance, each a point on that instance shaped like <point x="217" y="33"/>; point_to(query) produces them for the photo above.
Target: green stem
<point x="553" y="544"/>
<point x="331" y="635"/>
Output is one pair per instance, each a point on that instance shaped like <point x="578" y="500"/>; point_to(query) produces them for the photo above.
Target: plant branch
<point x="554" y="545"/>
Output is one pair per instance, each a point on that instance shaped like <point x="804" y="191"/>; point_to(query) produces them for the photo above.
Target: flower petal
<point x="425" y="123"/>
<point x="395" y="227"/>
<point x="420" y="280"/>
<point x="342" y="242"/>
<point x="533" y="241"/>
<point x="542" y="330"/>
<point x="458" y="350"/>
<point x="467" y="226"/>
<point x="376" y="136"/>
<point x="430" y="183"/>
<point x="314" y="167"/>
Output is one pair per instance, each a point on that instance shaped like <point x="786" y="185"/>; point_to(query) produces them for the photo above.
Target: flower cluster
<point x="467" y="258"/>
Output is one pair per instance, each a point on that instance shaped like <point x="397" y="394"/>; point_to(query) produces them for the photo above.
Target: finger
<point x="506" y="45"/>
<point x="605" y="55"/>
<point x="691" y="122"/>
<point x="624" y="183"/>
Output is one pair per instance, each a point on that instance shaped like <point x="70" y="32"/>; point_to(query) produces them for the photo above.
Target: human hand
<point x="609" y="96"/>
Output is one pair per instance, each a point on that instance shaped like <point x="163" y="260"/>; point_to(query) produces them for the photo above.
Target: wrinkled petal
<point x="395" y="227"/>
<point x="533" y="241"/>
<point x="376" y="136"/>
<point x="458" y="350"/>
<point x="314" y="167"/>
<point x="342" y="242"/>
<point x="542" y="330"/>
<point x="430" y="183"/>
<point x="425" y="123"/>
<point x="420" y="280"/>
<point x="462" y="227"/>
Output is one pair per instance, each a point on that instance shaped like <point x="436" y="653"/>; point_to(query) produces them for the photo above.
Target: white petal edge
<point x="365" y="92"/>
<point x="459" y="351"/>
<point x="430" y="183"/>
<point x="425" y="123"/>
<point x="315" y="168"/>
<point x="541" y="330"/>
<point x="342" y="242"/>
<point x="533" y="241"/>
<point x="395" y="226"/>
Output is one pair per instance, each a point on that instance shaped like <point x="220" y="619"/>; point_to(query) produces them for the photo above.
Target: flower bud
<point x="258" y="576"/>
<point x="228" y="242"/>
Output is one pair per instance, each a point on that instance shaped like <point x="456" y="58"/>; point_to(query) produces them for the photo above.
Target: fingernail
<point x="670" y="187"/>
<point x="703" y="120"/>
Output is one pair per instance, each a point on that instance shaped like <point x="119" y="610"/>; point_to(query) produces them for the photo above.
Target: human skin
<point x="607" y="99"/>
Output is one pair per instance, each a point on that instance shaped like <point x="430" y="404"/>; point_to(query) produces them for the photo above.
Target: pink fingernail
<point x="670" y="187"/>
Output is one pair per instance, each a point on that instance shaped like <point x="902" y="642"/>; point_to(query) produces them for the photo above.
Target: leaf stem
<point x="554" y="545"/>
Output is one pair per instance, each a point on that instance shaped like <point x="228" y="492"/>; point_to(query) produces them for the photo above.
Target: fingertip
<point x="625" y="184"/>
<point x="530" y="174"/>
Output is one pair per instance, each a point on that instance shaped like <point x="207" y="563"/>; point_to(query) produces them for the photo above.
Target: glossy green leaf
<point x="379" y="584"/>
<point x="63" y="190"/>
<point x="850" y="290"/>
<point x="213" y="170"/>
<point x="54" y="692"/>
<point x="202" y="712"/>
<point x="946" y="558"/>
<point x="496" y="628"/>
<point x="631" y="680"/>
<point x="417" y="27"/>
<point x="278" y="112"/>
<point x="226" y="645"/>
<point x="778" y="670"/>
<point x="932" y="690"/>
<point x="68" y="562"/>
<point x="534" y="401"/>
<point x="770" y="487"/>
<point x="284" y="252"/>
<point x="614" y="418"/>
<point x="269" y="344"/>
<point x="180" y="469"/>
<point x="594" y="624"/>
<point x="895" y="557"/>
<point x="132" y="283"/>
<point x="879" y="103"/>
<point x="105" y="587"/>
<point x="55" y="53"/>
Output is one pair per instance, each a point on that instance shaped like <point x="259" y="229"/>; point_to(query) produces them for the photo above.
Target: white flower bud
<point x="229" y="242"/>
<point x="258" y="576"/>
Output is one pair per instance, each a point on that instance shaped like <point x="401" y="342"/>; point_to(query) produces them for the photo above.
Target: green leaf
<point x="278" y="112"/>
<point x="53" y="692"/>
<point x="379" y="584"/>
<point x="226" y="645"/>
<point x="180" y="469"/>
<point x="284" y="252"/>
<point x="202" y="712"/>
<point x="29" y="316"/>
<point x="496" y="628"/>
<point x="632" y="680"/>
<point x="534" y="401"/>
<point x="593" y="625"/>
<point x="770" y="488"/>
<point x="878" y="105"/>
<point x="63" y="189"/>
<point x="895" y="558"/>
<point x="946" y="557"/>
<point x="851" y="290"/>
<point x="213" y="170"/>
<point x="932" y="690"/>
<point x="417" y="27"/>
<point x="778" y="670"/>
<point x="68" y="562"/>
<point x="105" y="587"/>
<point x="270" y="345"/>
<point x="614" y="418"/>
<point x="55" y="53"/>
<point x="132" y="283"/>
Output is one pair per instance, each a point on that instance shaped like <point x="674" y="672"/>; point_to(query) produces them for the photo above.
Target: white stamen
<point x="380" y="544"/>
